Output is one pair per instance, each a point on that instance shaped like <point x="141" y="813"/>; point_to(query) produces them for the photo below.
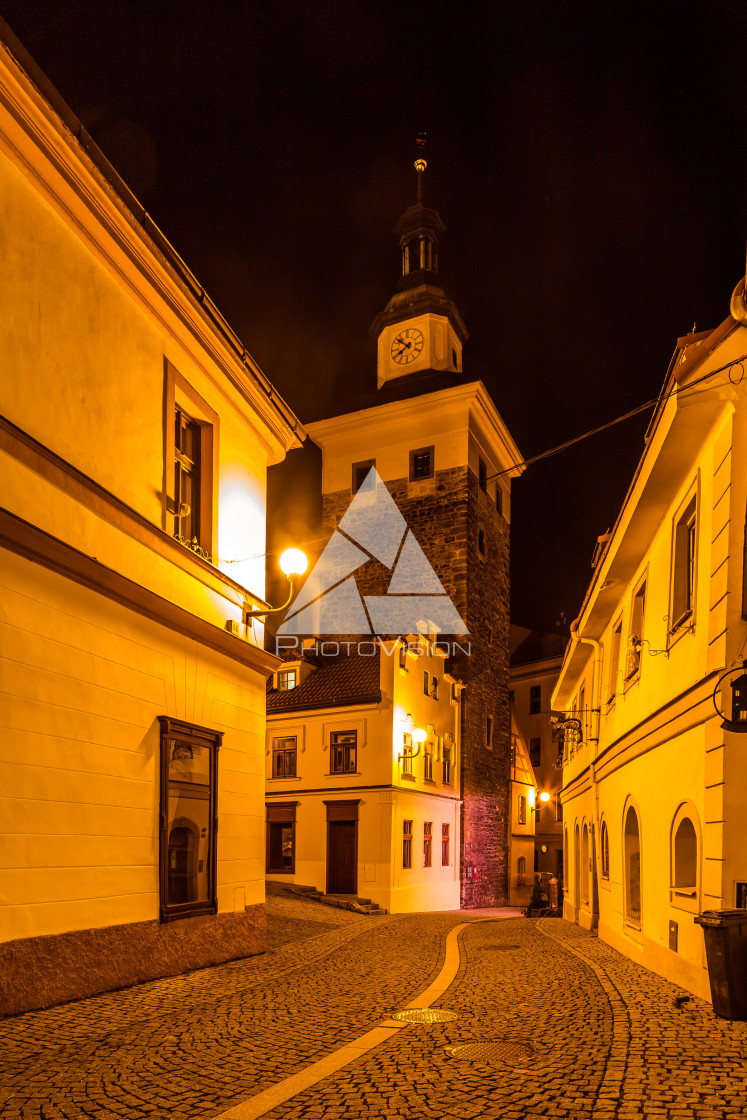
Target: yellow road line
<point x="264" y="1102"/>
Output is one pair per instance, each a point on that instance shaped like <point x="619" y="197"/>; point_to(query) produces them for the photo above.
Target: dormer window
<point x="287" y="679"/>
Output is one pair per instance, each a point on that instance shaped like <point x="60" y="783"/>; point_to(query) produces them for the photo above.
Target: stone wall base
<point x="43" y="971"/>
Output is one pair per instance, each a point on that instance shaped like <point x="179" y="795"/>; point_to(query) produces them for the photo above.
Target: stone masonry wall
<point x="446" y="514"/>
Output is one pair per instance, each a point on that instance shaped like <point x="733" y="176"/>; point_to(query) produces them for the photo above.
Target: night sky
<point x="588" y="160"/>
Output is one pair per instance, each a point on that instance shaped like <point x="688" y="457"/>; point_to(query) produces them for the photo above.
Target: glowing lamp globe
<point x="531" y="798"/>
<point x="419" y="735"/>
<point x="544" y="797"/>
<point x="293" y="562"/>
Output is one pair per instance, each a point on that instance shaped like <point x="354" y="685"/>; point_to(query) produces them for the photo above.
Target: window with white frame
<point x="446" y="765"/>
<point x="428" y="762"/>
<point x="427" y="843"/>
<point x="615" y="644"/>
<point x="284" y="757"/>
<point x="684" y="554"/>
<point x="635" y="632"/>
<point x="407" y="753"/>
<point x="343" y="752"/>
<point x="407" y="844"/>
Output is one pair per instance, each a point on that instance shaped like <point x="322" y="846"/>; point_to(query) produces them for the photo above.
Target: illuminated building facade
<point x="653" y="782"/>
<point x="536" y="658"/>
<point x="363" y="771"/>
<point x="135" y="437"/>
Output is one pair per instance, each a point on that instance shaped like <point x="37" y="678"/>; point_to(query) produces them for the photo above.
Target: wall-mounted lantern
<point x="293" y="562"/>
<point x="737" y="721"/>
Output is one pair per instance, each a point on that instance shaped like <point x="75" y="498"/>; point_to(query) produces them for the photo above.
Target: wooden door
<point x="342" y="858"/>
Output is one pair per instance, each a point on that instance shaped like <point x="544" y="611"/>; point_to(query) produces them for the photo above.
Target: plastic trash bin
<point x="725" y="933"/>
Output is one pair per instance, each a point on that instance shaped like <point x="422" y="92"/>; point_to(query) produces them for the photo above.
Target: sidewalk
<point x="582" y="1031"/>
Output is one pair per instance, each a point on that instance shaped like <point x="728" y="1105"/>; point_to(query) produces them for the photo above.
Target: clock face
<point x="407" y="346"/>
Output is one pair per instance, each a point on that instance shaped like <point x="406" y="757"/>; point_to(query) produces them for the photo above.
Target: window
<point x="426" y="684"/>
<point x="421" y="463"/>
<point x="498" y="498"/>
<point x="582" y="711"/>
<point x="403" y="657"/>
<point x="482" y="475"/>
<point x="684" y="866"/>
<point x="434" y="688"/>
<point x="428" y="762"/>
<point x="683" y="566"/>
<point x="635" y="637"/>
<point x="427" y="843"/>
<point x="605" y="851"/>
<point x="558" y="808"/>
<point x="191" y="464"/>
<point x="535" y="751"/>
<point x="615" y="659"/>
<point x="521" y="871"/>
<point x="489" y="731"/>
<point x="455" y="693"/>
<point x="189" y="815"/>
<point x="535" y="699"/>
<point x="445" y="855"/>
<point x="361" y="472"/>
<point x="407" y="754"/>
<point x="446" y="765"/>
<point x="187" y="479"/>
<point x="284" y="758"/>
<point x="407" y="844"/>
<point x="287" y="679"/>
<point x="343" y="752"/>
<point x="522" y="809"/>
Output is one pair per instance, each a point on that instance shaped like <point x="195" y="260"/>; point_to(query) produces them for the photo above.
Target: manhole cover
<point x="493" y="1051"/>
<point x="425" y="1015"/>
<point x="502" y="947"/>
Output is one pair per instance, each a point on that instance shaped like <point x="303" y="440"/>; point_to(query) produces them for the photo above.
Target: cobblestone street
<point x="585" y="1032"/>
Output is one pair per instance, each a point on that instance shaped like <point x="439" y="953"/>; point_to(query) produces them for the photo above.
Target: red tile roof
<point x="348" y="678"/>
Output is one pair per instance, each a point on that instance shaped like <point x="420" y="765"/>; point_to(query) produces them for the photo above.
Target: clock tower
<point x="419" y="329"/>
<point x="447" y="459"/>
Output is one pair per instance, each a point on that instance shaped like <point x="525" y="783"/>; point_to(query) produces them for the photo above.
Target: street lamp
<point x="293" y="562"/>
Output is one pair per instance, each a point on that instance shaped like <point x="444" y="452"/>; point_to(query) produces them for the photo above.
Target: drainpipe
<point x="596" y="694"/>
